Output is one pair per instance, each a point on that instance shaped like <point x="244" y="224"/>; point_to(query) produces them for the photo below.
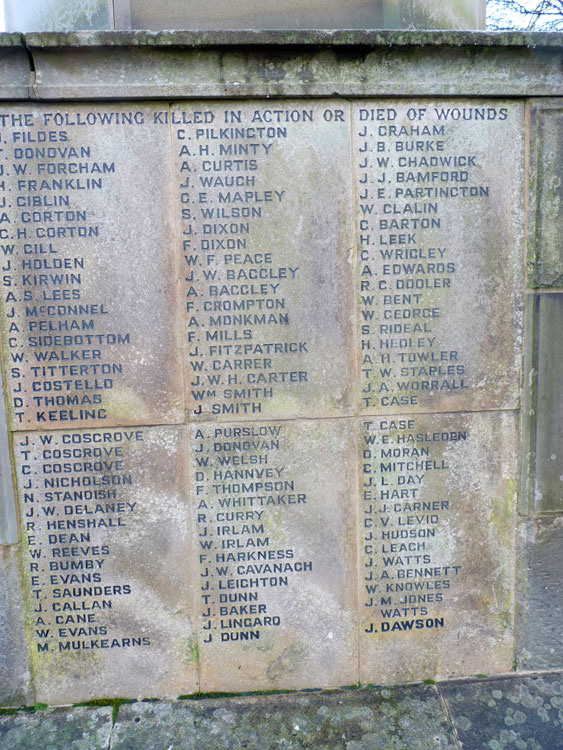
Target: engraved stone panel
<point x="264" y="204"/>
<point x="106" y="560"/>
<point x="333" y="292"/>
<point x="275" y="540"/>
<point x="439" y="254"/>
<point x="88" y="325"/>
<point x="437" y="525"/>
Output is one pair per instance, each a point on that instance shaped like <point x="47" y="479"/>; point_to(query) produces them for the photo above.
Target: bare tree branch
<point x="533" y="15"/>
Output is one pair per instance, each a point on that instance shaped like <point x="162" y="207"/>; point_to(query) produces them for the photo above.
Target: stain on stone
<point x="402" y="718"/>
<point x="74" y="729"/>
<point x="503" y="714"/>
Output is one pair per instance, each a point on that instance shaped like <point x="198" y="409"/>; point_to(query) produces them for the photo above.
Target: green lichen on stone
<point x="248" y="694"/>
<point x="307" y="38"/>
<point x="11" y="39"/>
<point x="62" y="14"/>
<point x="193" y="651"/>
<point x="402" y="718"/>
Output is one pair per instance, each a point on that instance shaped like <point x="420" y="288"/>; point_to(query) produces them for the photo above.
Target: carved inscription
<point x="94" y="505"/>
<point x="88" y="326"/>
<point x="436" y="535"/>
<point x="439" y="255"/>
<point x="266" y="284"/>
<point x="262" y="370"/>
<point x="275" y="551"/>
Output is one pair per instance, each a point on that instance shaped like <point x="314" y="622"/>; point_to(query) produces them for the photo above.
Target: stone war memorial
<point x="281" y="335"/>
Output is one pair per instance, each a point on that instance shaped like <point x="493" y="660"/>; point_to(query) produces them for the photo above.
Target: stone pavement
<point x="512" y="712"/>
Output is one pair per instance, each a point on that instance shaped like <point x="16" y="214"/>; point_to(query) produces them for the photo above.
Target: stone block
<point x="15" y="678"/>
<point x="437" y="528"/>
<point x="15" y="70"/>
<point x="545" y="249"/>
<point x="106" y="561"/>
<point x="540" y="629"/>
<point x="506" y="713"/>
<point x="439" y="266"/>
<point x="544" y="426"/>
<point x="313" y="14"/>
<point x="70" y="729"/>
<point x="92" y="338"/>
<point x="437" y="14"/>
<point x="313" y="63"/>
<point x="57" y="15"/>
<point x="404" y="718"/>
<point x="267" y="265"/>
<point x="8" y="519"/>
<point x="275" y="541"/>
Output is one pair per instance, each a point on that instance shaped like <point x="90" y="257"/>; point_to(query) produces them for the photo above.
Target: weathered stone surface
<point x="529" y="405"/>
<point x="57" y="15"/>
<point x="540" y="628"/>
<point x="106" y="560"/>
<point x="267" y="270"/>
<point x="275" y="541"/>
<point x="15" y="688"/>
<point x="545" y="255"/>
<point x="508" y="713"/>
<point x="408" y="718"/>
<point x="437" y="523"/>
<point x="8" y="519"/>
<point x="95" y="321"/>
<point x="439" y="260"/>
<point x="60" y="15"/>
<point x="15" y="70"/>
<point x="500" y="714"/>
<point x="312" y="14"/>
<point x="469" y="14"/>
<point x="546" y="456"/>
<point x="72" y="729"/>
<point x="208" y="64"/>
<point x="473" y="493"/>
<point x="318" y="37"/>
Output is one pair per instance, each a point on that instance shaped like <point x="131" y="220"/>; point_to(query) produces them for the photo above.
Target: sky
<point x="509" y="18"/>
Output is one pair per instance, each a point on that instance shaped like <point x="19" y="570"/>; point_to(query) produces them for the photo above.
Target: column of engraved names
<point x="405" y="578"/>
<point x="250" y="248"/>
<point x="73" y="345"/>
<point x="77" y="499"/>
<point x="428" y="215"/>
<point x="52" y="176"/>
<point x="241" y="488"/>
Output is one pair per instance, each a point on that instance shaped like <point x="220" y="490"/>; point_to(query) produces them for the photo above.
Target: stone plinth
<point x="280" y="328"/>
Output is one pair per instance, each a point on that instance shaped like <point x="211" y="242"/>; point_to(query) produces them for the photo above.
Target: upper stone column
<point x="59" y="15"/>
